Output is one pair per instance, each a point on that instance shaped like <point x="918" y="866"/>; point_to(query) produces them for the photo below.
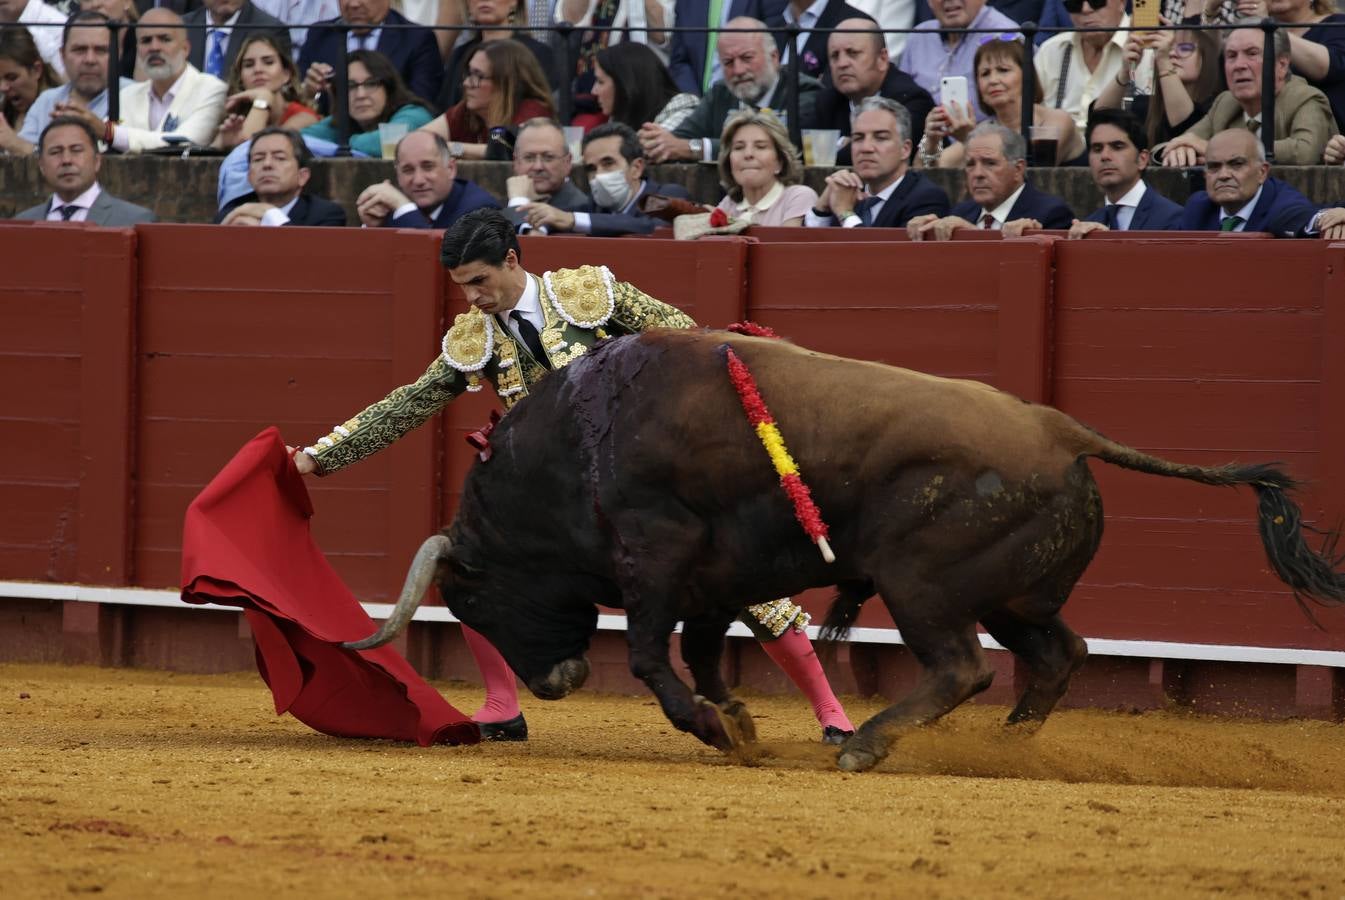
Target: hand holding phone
<point x="953" y="90"/>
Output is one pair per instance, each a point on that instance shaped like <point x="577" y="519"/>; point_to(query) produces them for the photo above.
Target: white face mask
<point x="611" y="190"/>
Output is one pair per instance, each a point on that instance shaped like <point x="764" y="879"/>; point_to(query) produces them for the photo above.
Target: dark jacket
<point x="687" y="54"/>
<point x="1049" y="210"/>
<point x="465" y="197"/>
<point x="568" y="199"/>
<point x="413" y="51"/>
<point x="307" y="210"/>
<point x="630" y="220"/>
<point x="832" y="108"/>
<point x="1153" y="213"/>
<point x="814" y="56"/>
<point x="1281" y="210"/>
<point x="707" y="119"/>
<point x="198" y="19"/>
<point x="915" y="196"/>
<point x="457" y="66"/>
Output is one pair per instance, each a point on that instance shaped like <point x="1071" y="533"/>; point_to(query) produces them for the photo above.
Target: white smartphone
<point x="953" y="89"/>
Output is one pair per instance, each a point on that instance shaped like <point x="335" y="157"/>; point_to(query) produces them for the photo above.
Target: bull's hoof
<point x="856" y="761"/>
<point x="714" y="728"/>
<point x="736" y="711"/>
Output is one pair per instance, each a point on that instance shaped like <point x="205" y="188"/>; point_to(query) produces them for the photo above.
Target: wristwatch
<point x="455" y="149"/>
<point x="697" y="146"/>
<point x="261" y="104"/>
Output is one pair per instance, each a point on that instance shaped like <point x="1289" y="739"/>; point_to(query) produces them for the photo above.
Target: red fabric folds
<point x="246" y="543"/>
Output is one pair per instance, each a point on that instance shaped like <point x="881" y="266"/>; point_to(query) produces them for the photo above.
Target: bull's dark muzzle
<point x="564" y="678"/>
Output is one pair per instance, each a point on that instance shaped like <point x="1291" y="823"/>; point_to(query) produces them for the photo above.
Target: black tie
<point x="1109" y="216"/>
<point x="67" y="211"/>
<point x="531" y="338"/>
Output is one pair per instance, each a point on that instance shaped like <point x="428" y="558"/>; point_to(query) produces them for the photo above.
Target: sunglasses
<point x="1011" y="36"/>
<point x="1076" y="6"/>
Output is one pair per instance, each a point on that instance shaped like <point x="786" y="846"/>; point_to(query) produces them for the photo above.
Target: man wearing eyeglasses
<point x="1075" y="66"/>
<point x="542" y="166"/>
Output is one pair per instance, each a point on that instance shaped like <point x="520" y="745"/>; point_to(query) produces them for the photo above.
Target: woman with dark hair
<point x="501" y="20"/>
<point x="503" y="86"/>
<point x="377" y="95"/>
<point x="633" y="87"/>
<point x="998" y="66"/>
<point x="264" y="91"/>
<point x="23" y="75"/>
<point x="1187" y="75"/>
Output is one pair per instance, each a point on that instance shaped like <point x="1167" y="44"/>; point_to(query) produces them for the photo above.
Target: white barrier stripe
<point x="1293" y="656"/>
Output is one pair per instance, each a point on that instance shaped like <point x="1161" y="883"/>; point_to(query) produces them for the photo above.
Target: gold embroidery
<point x="468" y="345"/>
<point x="583" y="296"/>
<point x="778" y="615"/>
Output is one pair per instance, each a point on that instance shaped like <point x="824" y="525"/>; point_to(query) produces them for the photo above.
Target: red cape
<point x="246" y="543"/>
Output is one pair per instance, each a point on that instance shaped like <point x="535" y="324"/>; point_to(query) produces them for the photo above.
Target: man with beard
<point x="84" y="49"/>
<point x="178" y="103"/>
<point x="752" y="80"/>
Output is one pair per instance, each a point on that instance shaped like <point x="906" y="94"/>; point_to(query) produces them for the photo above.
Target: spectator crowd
<point x="433" y="82"/>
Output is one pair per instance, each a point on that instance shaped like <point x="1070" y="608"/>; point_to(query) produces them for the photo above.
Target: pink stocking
<point x="501" y="703"/>
<point x="793" y="652"/>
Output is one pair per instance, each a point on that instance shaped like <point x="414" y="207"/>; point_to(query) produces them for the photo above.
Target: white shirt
<point x="223" y="31"/>
<point x="84" y="201"/>
<point x="411" y="207"/>
<point x="1001" y="212"/>
<point x="279" y="215"/>
<point x="367" y="41"/>
<point x="892" y="14"/>
<point x="47" y="36"/>
<point x="806" y="21"/>
<point x="529" y="306"/>
<point x="1246" y="212"/>
<point x="1081" y="86"/>
<point x="813" y="220"/>
<point x="158" y="108"/>
<point x="1128" y="203"/>
<point x="299" y="13"/>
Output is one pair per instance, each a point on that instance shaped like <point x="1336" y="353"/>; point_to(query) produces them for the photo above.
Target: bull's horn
<point x="418" y="580"/>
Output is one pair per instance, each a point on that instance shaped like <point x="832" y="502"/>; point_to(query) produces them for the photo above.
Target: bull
<point x="632" y="479"/>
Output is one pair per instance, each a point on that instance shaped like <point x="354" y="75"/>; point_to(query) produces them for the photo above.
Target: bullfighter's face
<point x="492" y="289"/>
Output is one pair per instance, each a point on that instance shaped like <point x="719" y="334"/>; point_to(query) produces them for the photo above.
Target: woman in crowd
<point x="377" y="95"/>
<point x="23" y="75"/>
<point x="1187" y="75"/>
<point x="503" y="86"/>
<point x="264" y="90"/>
<point x="998" y="65"/>
<point x="1316" y="44"/>
<point x="761" y="170"/>
<point x="502" y="19"/>
<point x="633" y="87"/>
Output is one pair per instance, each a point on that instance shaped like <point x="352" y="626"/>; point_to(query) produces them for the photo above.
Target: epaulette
<point x="583" y="297"/>
<point x="469" y="344"/>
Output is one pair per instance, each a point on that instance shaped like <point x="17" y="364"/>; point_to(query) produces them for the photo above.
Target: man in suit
<point x="278" y="174"/>
<point x="542" y="166"/>
<point x="413" y="51"/>
<point x="1303" y="119"/>
<point x="693" y="61"/>
<point x="67" y="157"/>
<point x="1001" y="198"/>
<point x="615" y="168"/>
<point x="752" y="79"/>
<point x="215" y="40"/>
<point x="428" y="193"/>
<point x="938" y="49"/>
<point x="177" y="101"/>
<point x="1240" y="195"/>
<point x="1118" y="153"/>
<point x="895" y="194"/>
<point x="815" y="18"/>
<point x="860" y="68"/>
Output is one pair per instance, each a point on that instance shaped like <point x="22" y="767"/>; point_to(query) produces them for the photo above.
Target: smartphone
<point x="953" y="89"/>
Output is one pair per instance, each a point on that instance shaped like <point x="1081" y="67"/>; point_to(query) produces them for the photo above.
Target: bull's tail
<point x="1311" y="574"/>
<point x="845" y="607"/>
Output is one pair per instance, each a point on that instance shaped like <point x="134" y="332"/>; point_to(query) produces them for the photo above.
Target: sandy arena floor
<point x="128" y="783"/>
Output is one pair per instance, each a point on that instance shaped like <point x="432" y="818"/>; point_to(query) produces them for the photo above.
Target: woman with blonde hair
<point x="503" y="87"/>
<point x="761" y="170"/>
<point x="264" y="92"/>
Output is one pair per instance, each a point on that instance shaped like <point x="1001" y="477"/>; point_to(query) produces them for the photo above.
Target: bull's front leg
<point x="703" y="652"/>
<point x="648" y="636"/>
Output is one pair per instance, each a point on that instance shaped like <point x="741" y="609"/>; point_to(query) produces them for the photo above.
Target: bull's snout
<point x="564" y="678"/>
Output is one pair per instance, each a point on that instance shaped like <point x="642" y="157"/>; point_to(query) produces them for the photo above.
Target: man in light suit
<point x="428" y="193"/>
<point x="615" y="168"/>
<point x="67" y="157"/>
<point x="1118" y="153"/>
<point x="1001" y="199"/>
<point x="1241" y="196"/>
<point x="178" y="103"/>
<point x="215" y="40"/>
<point x="691" y="52"/>
<point x="542" y="166"/>
<point x="414" y="51"/>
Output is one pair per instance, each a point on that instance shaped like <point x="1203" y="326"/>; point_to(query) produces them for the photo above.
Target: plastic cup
<point x="819" y="146"/>
<point x="574" y="139"/>
<point x="389" y="134"/>
<point x="1045" y="144"/>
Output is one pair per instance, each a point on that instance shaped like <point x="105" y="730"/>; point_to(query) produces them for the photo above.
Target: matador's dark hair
<point x="483" y="235"/>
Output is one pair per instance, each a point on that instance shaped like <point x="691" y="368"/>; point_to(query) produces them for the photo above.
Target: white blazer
<point x="196" y="111"/>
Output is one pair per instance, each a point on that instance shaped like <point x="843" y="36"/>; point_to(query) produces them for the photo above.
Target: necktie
<point x="1254" y="125"/>
<point x="530" y="337"/>
<point x="214" y="64"/>
<point x="67" y="211"/>
<point x="711" y="42"/>
<point x="1110" y="216"/>
<point x="1231" y="223"/>
<point x="988" y="222"/>
<point x="864" y="209"/>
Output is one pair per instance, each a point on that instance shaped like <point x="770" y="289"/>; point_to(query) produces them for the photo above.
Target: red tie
<point x="988" y="222"/>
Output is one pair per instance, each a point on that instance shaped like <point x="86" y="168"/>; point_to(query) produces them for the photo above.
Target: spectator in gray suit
<point x="542" y="166"/>
<point x="67" y="157"/>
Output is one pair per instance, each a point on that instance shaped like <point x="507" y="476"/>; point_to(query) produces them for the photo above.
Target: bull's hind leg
<point x="955" y="668"/>
<point x="1051" y="652"/>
